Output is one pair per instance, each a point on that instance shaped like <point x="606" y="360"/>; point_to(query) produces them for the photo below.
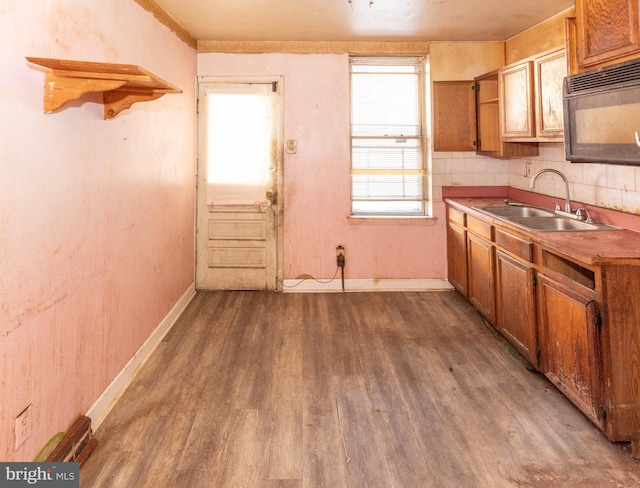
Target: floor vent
<point x="76" y="445"/>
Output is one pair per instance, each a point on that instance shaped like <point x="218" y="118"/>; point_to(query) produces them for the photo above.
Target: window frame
<point x="422" y="138"/>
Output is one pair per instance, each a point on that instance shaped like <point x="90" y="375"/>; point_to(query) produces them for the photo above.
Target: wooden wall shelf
<point x="122" y="85"/>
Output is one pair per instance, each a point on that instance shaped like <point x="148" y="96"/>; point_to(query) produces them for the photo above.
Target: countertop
<point x="595" y="247"/>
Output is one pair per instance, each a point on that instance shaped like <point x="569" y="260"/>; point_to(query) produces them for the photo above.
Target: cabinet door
<point x="481" y="262"/>
<point x="457" y="257"/>
<point x="550" y="71"/>
<point x="516" y="101"/>
<point x="489" y="141"/>
<point x="607" y="29"/>
<point x="516" y="306"/>
<point x="488" y="115"/>
<point x="570" y="346"/>
<point x="454" y="116"/>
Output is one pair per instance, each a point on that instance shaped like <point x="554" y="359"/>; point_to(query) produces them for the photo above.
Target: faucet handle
<point x="557" y="205"/>
<point x="579" y="213"/>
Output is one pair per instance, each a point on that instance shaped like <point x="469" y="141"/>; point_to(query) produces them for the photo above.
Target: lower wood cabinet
<point x="516" y="305"/>
<point x="481" y="267"/>
<point x="481" y="277"/>
<point x="568" y="326"/>
<point x="577" y="322"/>
<point x="457" y="257"/>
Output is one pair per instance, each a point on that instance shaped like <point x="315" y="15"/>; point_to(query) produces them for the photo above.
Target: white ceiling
<point x="358" y="20"/>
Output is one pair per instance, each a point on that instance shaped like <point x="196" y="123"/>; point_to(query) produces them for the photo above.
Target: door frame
<point x="201" y="179"/>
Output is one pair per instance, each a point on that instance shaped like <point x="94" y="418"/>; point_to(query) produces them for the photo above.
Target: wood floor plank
<point x="117" y="468"/>
<point x="169" y="437"/>
<point x="283" y="408"/>
<point x="364" y="455"/>
<point x="324" y="460"/>
<point x="412" y="389"/>
<point x="242" y="451"/>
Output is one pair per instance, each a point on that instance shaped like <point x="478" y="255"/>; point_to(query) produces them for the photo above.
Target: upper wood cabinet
<point x="466" y="118"/>
<point x="516" y="101"/>
<point x="549" y="73"/>
<point x="531" y="98"/>
<point x="607" y="29"/>
<point x="487" y="114"/>
<point x="490" y="141"/>
<point x="454" y="119"/>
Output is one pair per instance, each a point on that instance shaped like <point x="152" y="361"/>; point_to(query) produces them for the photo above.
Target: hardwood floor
<point x="255" y="389"/>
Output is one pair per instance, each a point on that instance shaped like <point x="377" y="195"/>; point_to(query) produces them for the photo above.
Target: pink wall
<point x="96" y="216"/>
<point x="316" y="179"/>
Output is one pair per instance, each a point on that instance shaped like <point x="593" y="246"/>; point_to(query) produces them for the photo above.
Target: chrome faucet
<point x="567" y="204"/>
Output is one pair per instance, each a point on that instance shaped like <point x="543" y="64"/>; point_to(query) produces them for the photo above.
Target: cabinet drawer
<point x="566" y="268"/>
<point x="515" y="245"/>
<point x="457" y="216"/>
<point x="480" y="227"/>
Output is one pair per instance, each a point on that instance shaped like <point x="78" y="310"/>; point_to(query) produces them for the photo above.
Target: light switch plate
<point x="528" y="170"/>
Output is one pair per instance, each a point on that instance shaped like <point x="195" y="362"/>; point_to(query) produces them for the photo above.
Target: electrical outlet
<point x="23" y="426"/>
<point x="528" y="170"/>
<point x="340" y="256"/>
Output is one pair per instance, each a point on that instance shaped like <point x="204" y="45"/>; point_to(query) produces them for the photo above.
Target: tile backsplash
<point x="466" y="169"/>
<point x="612" y="186"/>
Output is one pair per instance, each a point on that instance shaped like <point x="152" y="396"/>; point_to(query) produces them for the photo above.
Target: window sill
<point x="392" y="220"/>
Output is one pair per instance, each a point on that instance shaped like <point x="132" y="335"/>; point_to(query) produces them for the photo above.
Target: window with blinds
<point x="387" y="136"/>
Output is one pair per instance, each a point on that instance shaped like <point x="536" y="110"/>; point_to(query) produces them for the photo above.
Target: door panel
<point x="223" y="226"/>
<point x="239" y="166"/>
<point x="481" y="284"/>
<point x="569" y="345"/>
<point x="516" y="306"/>
<point x="457" y="257"/>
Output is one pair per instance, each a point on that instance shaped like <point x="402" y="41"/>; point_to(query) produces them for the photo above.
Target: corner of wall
<point x="103" y="405"/>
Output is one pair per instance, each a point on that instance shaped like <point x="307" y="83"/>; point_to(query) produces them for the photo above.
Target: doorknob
<point x="272" y="196"/>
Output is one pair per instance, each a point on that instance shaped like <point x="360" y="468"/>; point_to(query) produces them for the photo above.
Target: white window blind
<point x="387" y="136"/>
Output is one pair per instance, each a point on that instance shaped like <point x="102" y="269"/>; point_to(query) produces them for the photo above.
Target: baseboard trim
<point x="354" y="285"/>
<point x="114" y="391"/>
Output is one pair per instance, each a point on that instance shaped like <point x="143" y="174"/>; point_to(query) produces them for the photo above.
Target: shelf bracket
<point x="60" y="90"/>
<point x="118" y="100"/>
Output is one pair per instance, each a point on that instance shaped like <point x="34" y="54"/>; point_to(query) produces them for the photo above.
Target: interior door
<point x="239" y="166"/>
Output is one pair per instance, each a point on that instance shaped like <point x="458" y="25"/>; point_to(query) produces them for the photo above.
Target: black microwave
<point x="602" y="115"/>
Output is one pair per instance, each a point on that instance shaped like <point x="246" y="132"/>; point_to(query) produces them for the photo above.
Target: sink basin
<point x="541" y="219"/>
<point x="511" y="211"/>
<point x="558" y="224"/>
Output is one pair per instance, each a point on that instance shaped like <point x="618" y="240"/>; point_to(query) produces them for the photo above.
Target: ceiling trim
<point x="164" y="18"/>
<point x="371" y="48"/>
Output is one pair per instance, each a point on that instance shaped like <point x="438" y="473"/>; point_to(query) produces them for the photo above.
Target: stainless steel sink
<point x="510" y="211"/>
<point x="554" y="223"/>
<point x="540" y="219"/>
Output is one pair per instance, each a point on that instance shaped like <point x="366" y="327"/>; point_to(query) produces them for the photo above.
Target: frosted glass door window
<point x="240" y="144"/>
